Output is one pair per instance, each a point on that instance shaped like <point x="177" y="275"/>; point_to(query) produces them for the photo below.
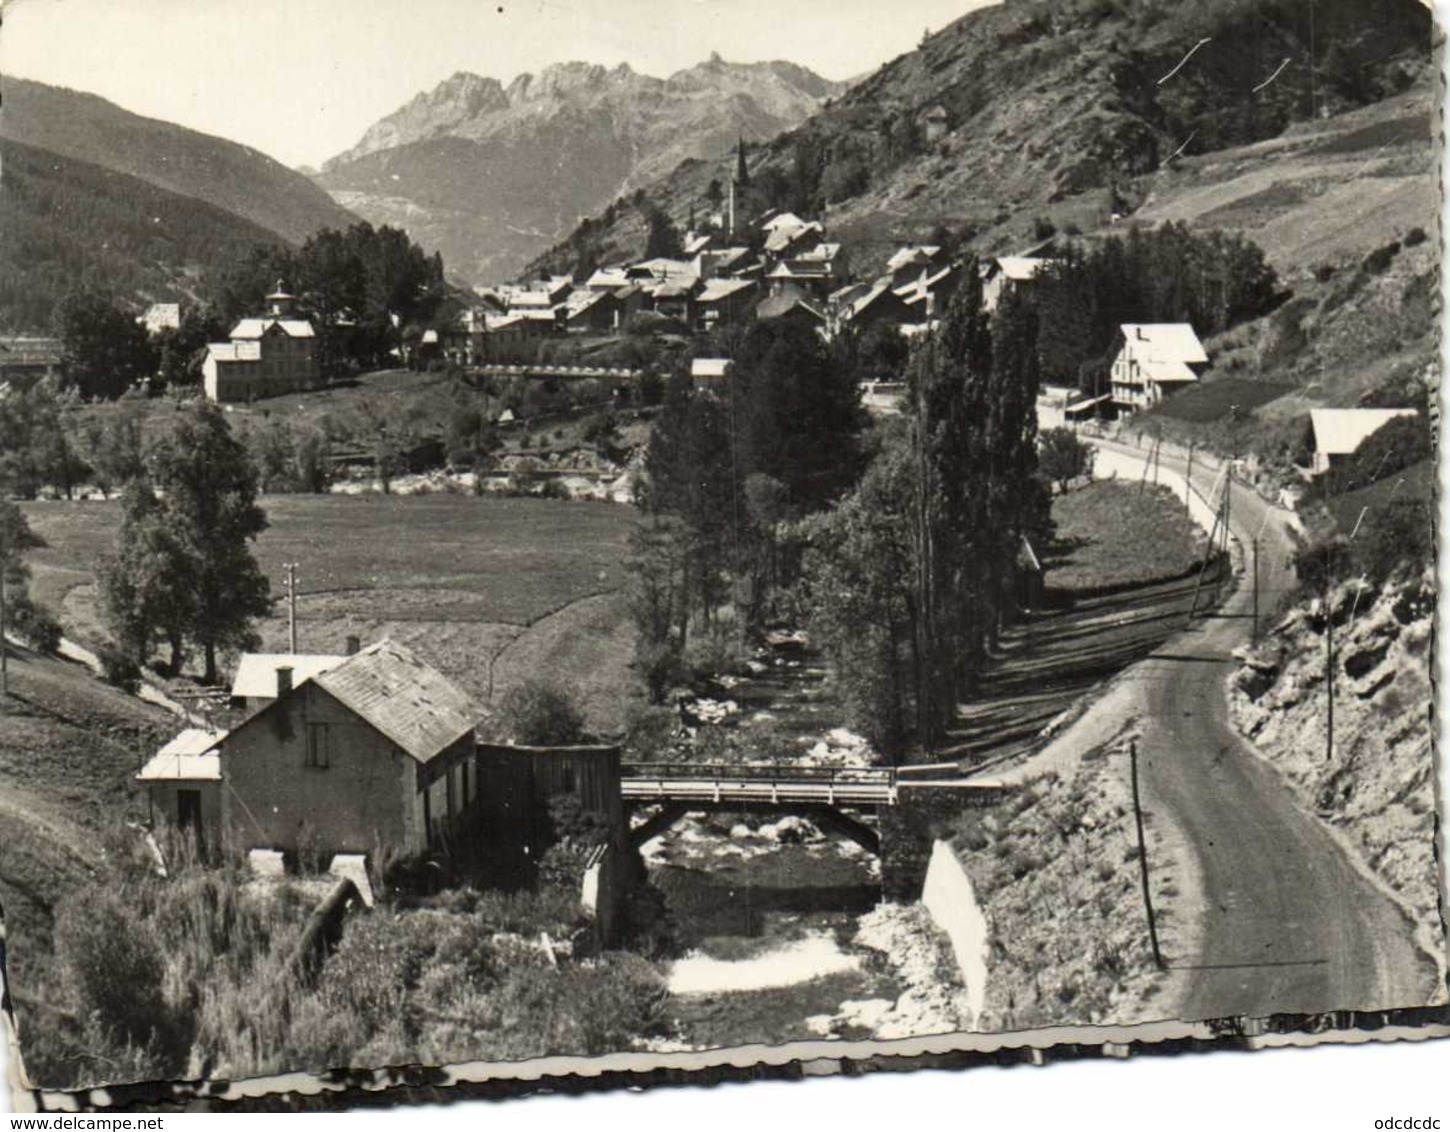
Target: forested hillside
<point x="68" y="225"/>
<point x="222" y="173"/>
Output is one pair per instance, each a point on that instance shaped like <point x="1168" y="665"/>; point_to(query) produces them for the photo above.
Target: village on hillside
<point x="776" y="616"/>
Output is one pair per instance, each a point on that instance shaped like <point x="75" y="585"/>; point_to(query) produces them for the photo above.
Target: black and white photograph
<point x="598" y="545"/>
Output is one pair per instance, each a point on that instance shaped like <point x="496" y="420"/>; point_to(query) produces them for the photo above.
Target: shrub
<point x="113" y="969"/>
<point x="1396" y="536"/>
<point x="1379" y="260"/>
<point x="540" y="713"/>
<point x="380" y="959"/>
<point x="720" y="650"/>
<point x="1415" y="237"/>
<point x="1062" y="457"/>
<point x="34" y="624"/>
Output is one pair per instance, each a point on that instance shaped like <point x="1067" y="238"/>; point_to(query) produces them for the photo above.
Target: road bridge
<point x="580" y="373"/>
<point x="839" y="799"/>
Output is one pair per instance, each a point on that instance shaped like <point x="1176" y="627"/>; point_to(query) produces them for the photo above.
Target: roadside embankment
<point x="1376" y="785"/>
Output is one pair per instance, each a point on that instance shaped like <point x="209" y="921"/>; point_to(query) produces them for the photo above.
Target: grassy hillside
<point x="1052" y="104"/>
<point x="224" y="174"/>
<point x="68" y="747"/>
<point x="66" y="224"/>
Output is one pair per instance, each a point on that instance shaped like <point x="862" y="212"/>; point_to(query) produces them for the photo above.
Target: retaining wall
<point x="952" y="902"/>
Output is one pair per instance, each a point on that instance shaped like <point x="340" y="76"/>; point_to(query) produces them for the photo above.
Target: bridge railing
<point x="775" y="772"/>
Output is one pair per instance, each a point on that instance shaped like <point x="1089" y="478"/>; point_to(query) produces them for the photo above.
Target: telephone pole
<point x="291" y="569"/>
<point x="4" y="649"/>
<point x="1329" y="653"/>
<point x="1188" y="482"/>
<point x="1143" y="858"/>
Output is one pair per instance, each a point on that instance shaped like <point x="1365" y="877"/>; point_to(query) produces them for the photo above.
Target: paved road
<point x="1287" y="924"/>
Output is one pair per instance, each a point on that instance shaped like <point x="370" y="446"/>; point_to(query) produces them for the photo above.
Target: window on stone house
<point x="317" y="752"/>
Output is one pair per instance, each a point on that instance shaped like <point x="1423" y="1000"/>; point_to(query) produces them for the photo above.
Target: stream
<point x="766" y="909"/>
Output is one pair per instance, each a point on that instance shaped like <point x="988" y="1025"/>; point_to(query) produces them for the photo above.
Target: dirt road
<point x="1284" y="921"/>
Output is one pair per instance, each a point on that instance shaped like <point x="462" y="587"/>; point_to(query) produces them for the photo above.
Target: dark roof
<point x="785" y="303"/>
<point x="414" y="705"/>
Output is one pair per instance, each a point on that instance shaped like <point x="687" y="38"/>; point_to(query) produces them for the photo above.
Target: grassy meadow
<point x="489" y="589"/>
<point x="1111" y="535"/>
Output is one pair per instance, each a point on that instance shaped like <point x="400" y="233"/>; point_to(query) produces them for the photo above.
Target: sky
<point x="301" y="80"/>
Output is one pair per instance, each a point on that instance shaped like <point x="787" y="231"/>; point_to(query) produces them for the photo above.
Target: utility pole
<point x="1188" y="482"/>
<point x="1143" y="858"/>
<point x="291" y="568"/>
<point x="1256" y="588"/>
<point x="1329" y="653"/>
<point x="4" y="649"/>
<point x="1224" y="563"/>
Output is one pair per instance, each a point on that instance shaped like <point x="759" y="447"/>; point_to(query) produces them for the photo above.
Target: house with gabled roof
<point x="1336" y="433"/>
<point x="1008" y="273"/>
<point x="375" y="752"/>
<point x="161" y="316"/>
<point x="725" y="301"/>
<point x="1154" y="359"/>
<point x="266" y="356"/>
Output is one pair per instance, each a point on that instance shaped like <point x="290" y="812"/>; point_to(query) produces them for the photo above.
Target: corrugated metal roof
<point x="414" y="705"/>
<point x="1338" y="432"/>
<point x="257" y="671"/>
<point x="191" y="756"/>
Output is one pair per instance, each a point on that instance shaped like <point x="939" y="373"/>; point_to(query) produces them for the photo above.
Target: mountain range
<point x="490" y="175"/>
<point x="1059" y="110"/>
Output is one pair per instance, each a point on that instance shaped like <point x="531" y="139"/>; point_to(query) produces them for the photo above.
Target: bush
<point x="113" y="969"/>
<point x="1395" y="537"/>
<point x="34" y="624"/>
<point x="1415" y="237"/>
<point x="1062" y="457"/>
<point x="1379" y="260"/>
<point x="539" y="713"/>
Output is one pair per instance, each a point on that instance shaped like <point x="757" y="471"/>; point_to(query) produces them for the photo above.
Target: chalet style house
<point x="1155" y="360"/>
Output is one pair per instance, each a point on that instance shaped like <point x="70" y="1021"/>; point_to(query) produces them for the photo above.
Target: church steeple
<point x="281" y="304"/>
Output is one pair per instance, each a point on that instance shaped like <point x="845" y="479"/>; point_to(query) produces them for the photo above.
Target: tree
<point x="541" y="714"/>
<point x="658" y="547"/>
<point x="208" y="504"/>
<point x="179" y="351"/>
<point x="662" y="239"/>
<point x="1062" y="457"/>
<point x="114" y="448"/>
<point x="146" y="581"/>
<point x="858" y="573"/>
<point x="471" y="440"/>
<point x="35" y="448"/>
<point x="16" y="609"/>
<point x="103" y="349"/>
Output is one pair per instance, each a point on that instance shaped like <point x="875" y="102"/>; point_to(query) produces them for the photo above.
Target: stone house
<point x="374" y="753"/>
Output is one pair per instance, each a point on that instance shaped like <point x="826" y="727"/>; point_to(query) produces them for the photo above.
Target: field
<point x="1112" y="535"/>
<point x="488" y="589"/>
<point x="1213" y="400"/>
<point x="1114" y="591"/>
